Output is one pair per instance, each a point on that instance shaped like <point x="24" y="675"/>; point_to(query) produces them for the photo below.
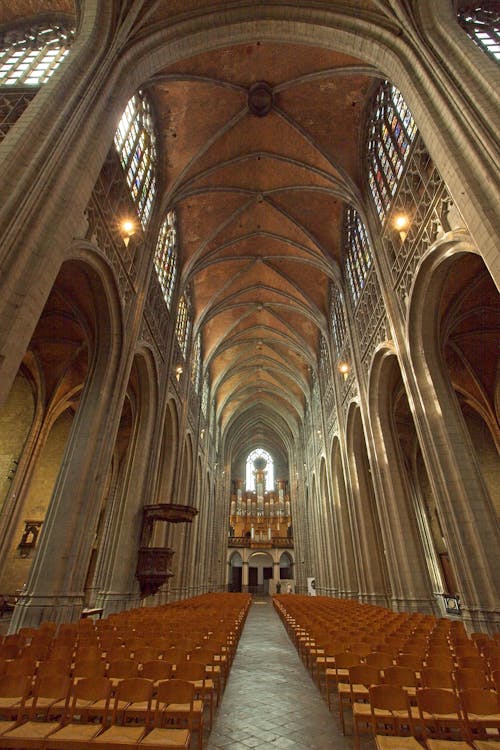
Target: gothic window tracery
<point x="481" y="21"/>
<point x="196" y="363"/>
<point x="30" y="55"/>
<point x="136" y="145"/>
<point x="183" y="323"/>
<point x="391" y="134"/>
<point x="166" y="257"/>
<point x="250" y="478"/>
<point x="358" y="254"/>
<point x="337" y="319"/>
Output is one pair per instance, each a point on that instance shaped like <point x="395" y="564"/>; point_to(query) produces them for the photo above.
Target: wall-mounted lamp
<point x="178" y="372"/>
<point x="202" y="434"/>
<point x="344" y="369"/>
<point x="401" y="223"/>
<point x="127" y="229"/>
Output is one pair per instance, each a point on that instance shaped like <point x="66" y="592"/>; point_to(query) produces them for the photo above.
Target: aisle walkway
<point x="270" y="700"/>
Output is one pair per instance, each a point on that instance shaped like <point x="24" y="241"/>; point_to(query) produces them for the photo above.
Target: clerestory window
<point x="481" y="21"/>
<point x="392" y="130"/>
<point x="30" y="55"/>
<point x="358" y="254"/>
<point x="136" y="145"/>
<point x="166" y="257"/>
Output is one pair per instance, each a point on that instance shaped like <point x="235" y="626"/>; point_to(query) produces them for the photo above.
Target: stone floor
<point x="270" y="700"/>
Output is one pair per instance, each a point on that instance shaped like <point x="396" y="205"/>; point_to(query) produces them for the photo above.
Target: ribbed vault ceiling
<point x="262" y="150"/>
<point x="259" y="176"/>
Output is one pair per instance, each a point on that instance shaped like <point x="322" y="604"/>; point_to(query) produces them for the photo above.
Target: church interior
<point x="249" y="314"/>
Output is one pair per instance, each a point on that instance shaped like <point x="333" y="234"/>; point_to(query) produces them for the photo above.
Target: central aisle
<point x="270" y="700"/>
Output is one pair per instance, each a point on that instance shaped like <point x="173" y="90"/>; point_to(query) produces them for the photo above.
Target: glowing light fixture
<point x="127" y="229"/>
<point x="344" y="369"/>
<point x="178" y="372"/>
<point x="401" y="223"/>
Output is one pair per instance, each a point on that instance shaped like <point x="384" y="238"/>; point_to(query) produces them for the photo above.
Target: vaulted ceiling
<point x="261" y="148"/>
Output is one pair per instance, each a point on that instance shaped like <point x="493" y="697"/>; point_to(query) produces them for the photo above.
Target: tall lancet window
<point x="392" y="131"/>
<point x="183" y="323"/>
<point x="269" y="469"/>
<point x="358" y="254"/>
<point x="481" y="21"/>
<point x="30" y="55"/>
<point x="196" y="363"/>
<point x="166" y="257"/>
<point x="136" y="144"/>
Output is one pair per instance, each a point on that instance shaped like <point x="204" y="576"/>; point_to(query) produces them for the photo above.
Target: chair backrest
<point x="400" y="676"/>
<point x="131" y="690"/>
<point x="175" y="691"/>
<point x="122" y="668"/>
<point x="390" y="697"/>
<point x="89" y="668"/>
<point x="157" y="669"/>
<point x="437" y="701"/>
<point x="414" y="661"/>
<point x="26" y="666"/>
<point x="59" y="667"/>
<point x="14" y="686"/>
<point x="364" y="674"/>
<point x="346" y="659"/>
<point x="431" y="677"/>
<point x="380" y="659"/>
<point x="89" y="689"/>
<point x="470" y="678"/>
<point x="190" y="670"/>
<point x="480" y="702"/>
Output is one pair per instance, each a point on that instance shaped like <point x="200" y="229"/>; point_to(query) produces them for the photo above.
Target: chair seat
<point x="33" y="730"/>
<point x="5" y="726"/>
<point x="177" y="739"/>
<point x="117" y="735"/>
<point x="385" y="742"/>
<point x="75" y="733"/>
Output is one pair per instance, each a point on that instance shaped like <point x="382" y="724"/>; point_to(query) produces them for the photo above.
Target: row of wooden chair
<point x="195" y="642"/>
<point x="438" y="715"/>
<point x="90" y="713"/>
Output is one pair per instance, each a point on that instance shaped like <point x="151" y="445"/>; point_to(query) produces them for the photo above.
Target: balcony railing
<point x="283" y="542"/>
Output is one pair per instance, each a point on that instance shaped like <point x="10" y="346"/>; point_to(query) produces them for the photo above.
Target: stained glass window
<point x="481" y="21"/>
<point x="204" y="396"/>
<point x="183" y="323"/>
<point x="136" y="144"/>
<point x="337" y="319"/>
<point x="166" y="257"/>
<point x="250" y="479"/>
<point x="196" y="363"/>
<point x="358" y="253"/>
<point x="29" y="56"/>
<point x="392" y="131"/>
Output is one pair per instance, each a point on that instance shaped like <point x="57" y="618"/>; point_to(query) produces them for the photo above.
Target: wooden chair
<point x="440" y="715"/>
<point x="482" y="714"/>
<point x="390" y="711"/>
<point x="339" y="669"/>
<point x="132" y="701"/>
<point x="176" y="700"/>
<point x="76" y="730"/>
<point x="50" y="697"/>
<point x="355" y="689"/>
<point x="33" y="732"/>
<point x="380" y="659"/>
<point x="195" y="673"/>
<point x="14" y="689"/>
